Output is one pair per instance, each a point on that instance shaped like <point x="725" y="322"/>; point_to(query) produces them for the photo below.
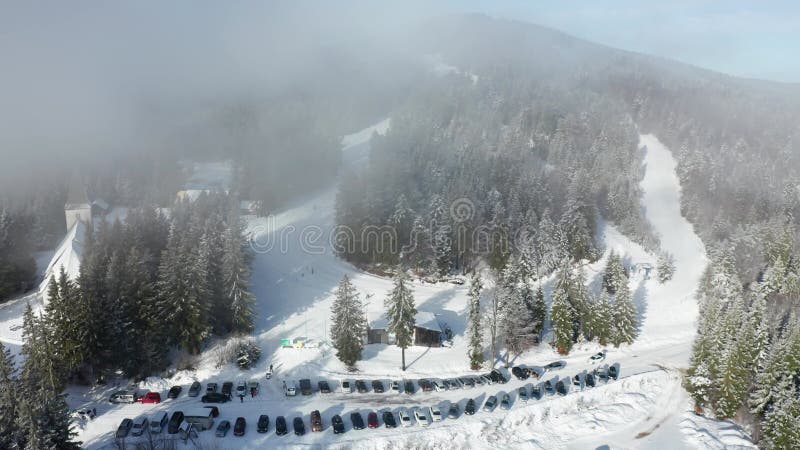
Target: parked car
<point x="337" y="424"/>
<point x="361" y="386"/>
<point x="550" y="386"/>
<point x="263" y="424"/>
<point x="421" y="417"/>
<point x="358" y="421"/>
<point x="139" y="425"/>
<point x="498" y="377"/>
<point x="613" y="371"/>
<point x="222" y="429"/>
<point x="158" y="422"/>
<point x="324" y="387"/>
<point x="305" y="387"/>
<point x="598" y="356"/>
<point x="601" y="372"/>
<point x="241" y="388"/>
<point x="388" y="419"/>
<point x="347" y="386"/>
<point x="289" y="389"/>
<point x="505" y="403"/>
<point x="409" y="385"/>
<point x="239" y="427"/>
<point x="123" y="397"/>
<point x="175" y="422"/>
<point x="478" y="380"/>
<point x="537" y="391"/>
<point x="522" y="393"/>
<point x="491" y="403"/>
<point x="436" y="413"/>
<point x="591" y="381"/>
<point x="372" y="420"/>
<point x="211" y="387"/>
<point x="215" y="397"/>
<point x="316" y="421"/>
<point x="227" y="388"/>
<point x="280" y="426"/>
<point x="214" y="410"/>
<point x="486" y="379"/>
<point x="395" y="386"/>
<point x="299" y="426"/>
<point x="556" y="365"/>
<point x="253" y="387"/>
<point x="454" y="411"/>
<point x="194" y="389"/>
<point x="454" y="383"/>
<point x="405" y="418"/>
<point x="562" y="386"/>
<point x="174" y="392"/>
<point x="469" y="409"/>
<point x="124" y="428"/>
<point x="438" y="385"/>
<point x="425" y="385"/>
<point x="149" y="397"/>
<point x="377" y="386"/>
<point x="467" y="382"/>
<point x="520" y="373"/>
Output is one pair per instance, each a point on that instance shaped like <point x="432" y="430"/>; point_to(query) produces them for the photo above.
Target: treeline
<point x="480" y="172"/>
<point x="147" y="285"/>
<point x="33" y="408"/>
<point x="746" y="358"/>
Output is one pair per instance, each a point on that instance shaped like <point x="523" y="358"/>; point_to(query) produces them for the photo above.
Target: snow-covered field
<point x="294" y="277"/>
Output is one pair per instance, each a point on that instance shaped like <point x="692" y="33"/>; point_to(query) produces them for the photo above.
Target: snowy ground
<point x="295" y="274"/>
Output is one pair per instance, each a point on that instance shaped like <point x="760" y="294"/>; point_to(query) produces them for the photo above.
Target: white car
<point x="253" y="386"/>
<point x="241" y="388"/>
<point x="395" y="386"/>
<point x="438" y="385"/>
<point x="421" y="417"/>
<point x="405" y="418"/>
<point x="347" y="386"/>
<point x="139" y="425"/>
<point x="436" y="413"/>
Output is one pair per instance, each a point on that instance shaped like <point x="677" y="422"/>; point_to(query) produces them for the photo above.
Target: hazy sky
<point x="758" y="39"/>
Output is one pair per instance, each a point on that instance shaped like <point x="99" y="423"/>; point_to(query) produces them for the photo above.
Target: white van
<point x="186" y="431"/>
<point x="122" y="397"/>
<point x="347" y="386"/>
<point x="158" y="422"/>
<point x="139" y="426"/>
<point x="202" y="419"/>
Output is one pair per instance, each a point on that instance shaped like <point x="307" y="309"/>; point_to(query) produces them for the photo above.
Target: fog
<point x="83" y="79"/>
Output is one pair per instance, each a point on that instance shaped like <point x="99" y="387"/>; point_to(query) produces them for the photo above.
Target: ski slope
<point x="294" y="277"/>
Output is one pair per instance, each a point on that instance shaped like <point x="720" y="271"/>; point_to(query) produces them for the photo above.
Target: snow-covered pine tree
<point x="9" y="433"/>
<point x="235" y="274"/>
<point x="348" y="324"/>
<point x="539" y="313"/>
<point x="603" y="318"/>
<point x="401" y="313"/>
<point x="474" y="329"/>
<point x="562" y="313"/>
<point x="780" y="428"/>
<point x="665" y="268"/>
<point x="614" y="273"/>
<point x="624" y="317"/>
<point x="547" y="244"/>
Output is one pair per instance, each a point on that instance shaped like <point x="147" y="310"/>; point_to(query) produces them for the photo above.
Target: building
<point x="427" y="331"/>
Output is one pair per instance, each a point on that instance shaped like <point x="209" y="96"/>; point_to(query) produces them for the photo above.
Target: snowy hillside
<point x="295" y="273"/>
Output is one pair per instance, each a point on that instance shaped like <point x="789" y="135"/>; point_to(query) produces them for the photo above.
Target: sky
<point x="753" y="39"/>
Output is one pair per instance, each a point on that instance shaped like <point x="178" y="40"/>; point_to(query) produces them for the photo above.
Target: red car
<point x="150" y="397"/>
<point x="372" y="420"/>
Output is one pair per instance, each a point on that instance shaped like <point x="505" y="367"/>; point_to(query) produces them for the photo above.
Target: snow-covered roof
<point x="68" y="255"/>
<point x="423" y="319"/>
<point x="100" y="203"/>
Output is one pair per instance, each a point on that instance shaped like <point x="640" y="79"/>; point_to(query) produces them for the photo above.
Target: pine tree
<point x="624" y="317"/>
<point x="401" y="313"/>
<point x="236" y="273"/>
<point x="614" y="273"/>
<point x="780" y="429"/>
<point x="348" y="324"/>
<point x="474" y="330"/>
<point x="603" y="319"/>
<point x="9" y="433"/>
<point x="562" y="313"/>
<point x="539" y="313"/>
<point x="665" y="267"/>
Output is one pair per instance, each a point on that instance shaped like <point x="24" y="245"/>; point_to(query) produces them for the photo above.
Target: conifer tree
<point x="401" y="313"/>
<point x="624" y="317"/>
<point x="236" y="274"/>
<point x="603" y="319"/>
<point x="562" y="313"/>
<point x="9" y="433"/>
<point x="665" y="268"/>
<point x="474" y="330"/>
<point x="780" y="429"/>
<point x="539" y="312"/>
<point x="348" y="324"/>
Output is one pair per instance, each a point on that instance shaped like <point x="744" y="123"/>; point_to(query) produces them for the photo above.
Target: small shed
<point x="427" y="331"/>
